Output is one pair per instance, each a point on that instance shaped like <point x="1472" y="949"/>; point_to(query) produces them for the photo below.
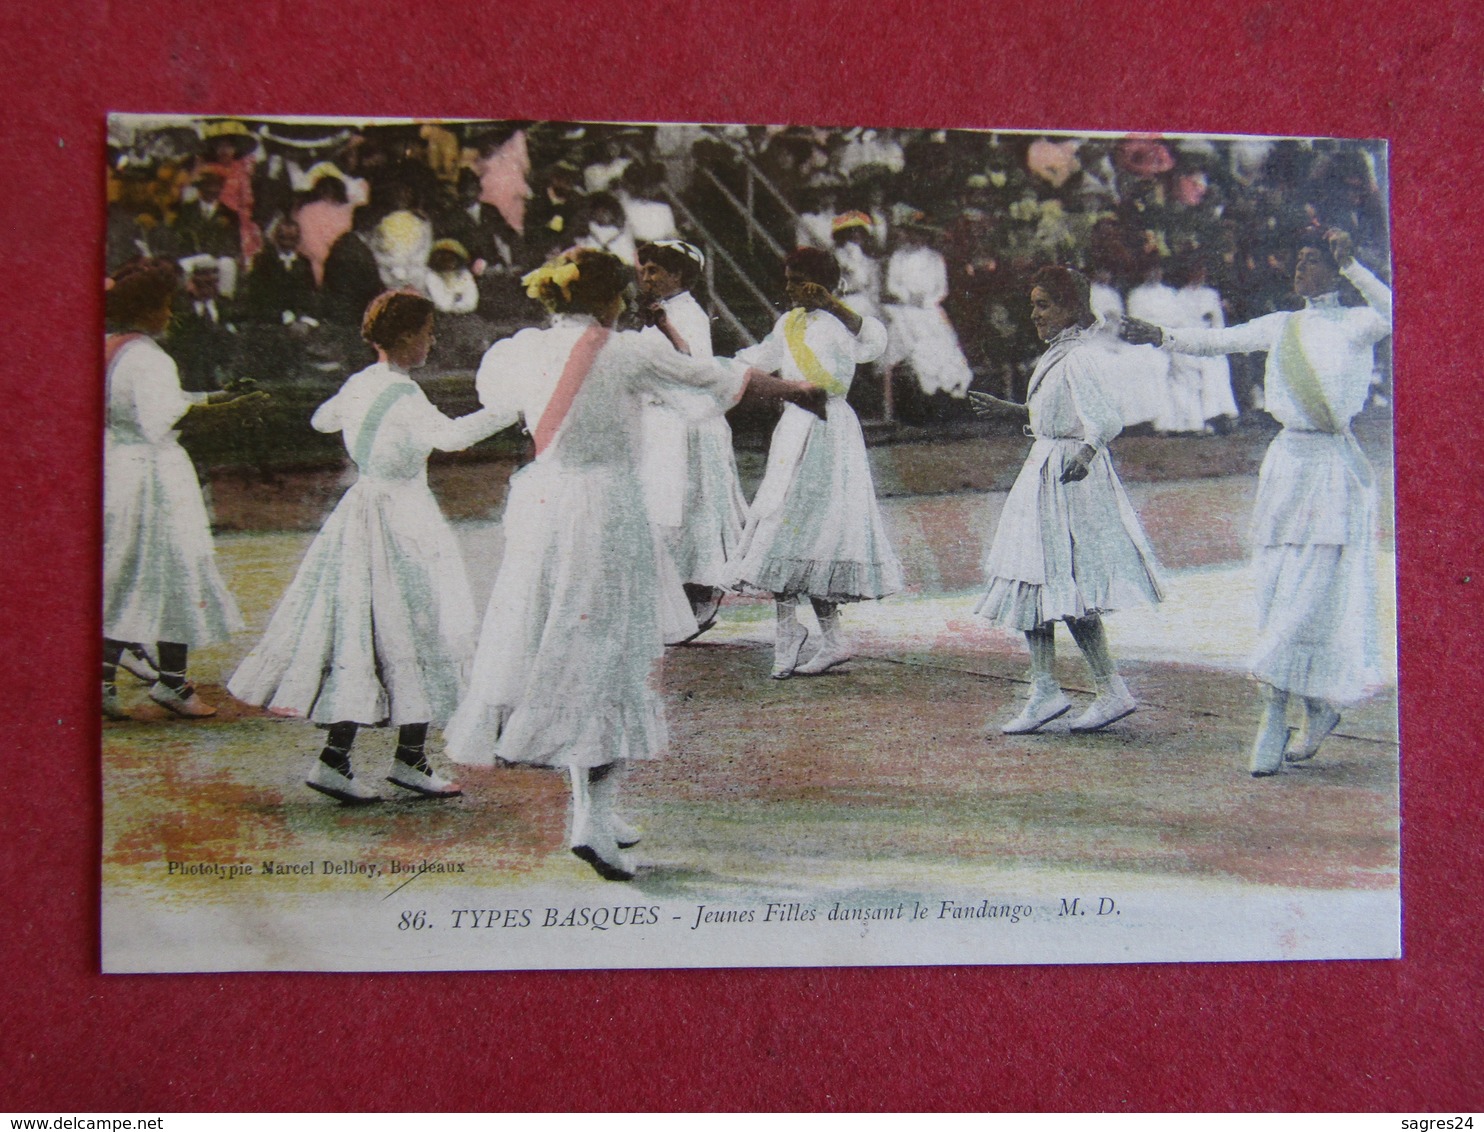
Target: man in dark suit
<point x="280" y="307"/>
<point x="202" y="337"/>
<point x="205" y="226"/>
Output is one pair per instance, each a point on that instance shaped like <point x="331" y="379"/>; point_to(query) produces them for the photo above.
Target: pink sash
<point x="579" y="363"/>
<point x="114" y="343"/>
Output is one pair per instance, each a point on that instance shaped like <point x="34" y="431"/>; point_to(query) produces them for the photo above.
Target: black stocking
<point x="336" y="754"/>
<point x="112" y="650"/>
<point x="411" y="738"/>
<point x="172" y="658"/>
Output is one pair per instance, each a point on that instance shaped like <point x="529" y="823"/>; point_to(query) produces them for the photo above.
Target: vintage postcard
<point x="585" y="545"/>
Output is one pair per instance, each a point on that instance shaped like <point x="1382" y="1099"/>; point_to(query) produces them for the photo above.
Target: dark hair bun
<point x="394" y="315"/>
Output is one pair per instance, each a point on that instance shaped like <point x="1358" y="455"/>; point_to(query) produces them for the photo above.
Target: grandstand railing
<point x="755" y="180"/>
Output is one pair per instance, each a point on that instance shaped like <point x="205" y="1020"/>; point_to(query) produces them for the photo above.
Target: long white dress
<point x="1136" y="387"/>
<point x="916" y="285"/>
<point x="689" y="468"/>
<point x="1314" y="522"/>
<point x="160" y="579"/>
<point x="1067" y="549"/>
<point x="1177" y="387"/>
<point x="1201" y="307"/>
<point x="378" y="624"/>
<point x="565" y="670"/>
<point x="814" y="528"/>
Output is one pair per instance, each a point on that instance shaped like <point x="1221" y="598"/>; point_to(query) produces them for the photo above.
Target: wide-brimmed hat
<point x="454" y="246"/>
<point x="236" y="132"/>
<point x="848" y="220"/>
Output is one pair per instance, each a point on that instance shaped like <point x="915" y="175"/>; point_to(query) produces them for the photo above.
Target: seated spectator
<point x="463" y="334"/>
<point x="646" y="214"/>
<point x="1180" y="399"/>
<point x="860" y="272"/>
<point x="450" y="283"/>
<point x="280" y="307"/>
<point x="323" y="220"/>
<point x="554" y="212"/>
<point x="817" y="218"/>
<point x="1210" y="377"/>
<point x="920" y="333"/>
<point x="206" y="226"/>
<point x="402" y="241"/>
<point x="202" y="338"/>
<point x="606" y="229"/>
<point x="351" y="278"/>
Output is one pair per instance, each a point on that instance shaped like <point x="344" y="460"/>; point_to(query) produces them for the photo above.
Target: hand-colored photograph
<point x="538" y="545"/>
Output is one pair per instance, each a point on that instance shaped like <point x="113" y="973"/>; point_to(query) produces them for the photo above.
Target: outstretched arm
<point x="1248" y="338"/>
<point x="766" y="386"/>
<point x="988" y="405"/>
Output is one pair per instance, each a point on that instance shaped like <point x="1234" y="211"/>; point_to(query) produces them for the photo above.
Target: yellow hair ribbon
<point x="561" y="275"/>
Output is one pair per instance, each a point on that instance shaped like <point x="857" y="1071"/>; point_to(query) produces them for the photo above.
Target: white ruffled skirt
<point x="377" y="625"/>
<point x="814" y="529"/>
<point x="1066" y="550"/>
<point x="160" y="578"/>
<point x="566" y="672"/>
<point x="1314" y="557"/>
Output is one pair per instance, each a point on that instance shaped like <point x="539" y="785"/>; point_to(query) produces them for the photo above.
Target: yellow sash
<point x="1303" y="384"/>
<point x="1303" y="381"/>
<point x="813" y="371"/>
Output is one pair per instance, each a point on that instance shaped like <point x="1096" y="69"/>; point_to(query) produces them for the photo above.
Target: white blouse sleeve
<point x="767" y="355"/>
<point x="1248" y="338"/>
<point x="697" y="389"/>
<point x="499" y="378"/>
<point x="154" y="381"/>
<point x="328" y="418"/>
<point x="1376" y="294"/>
<point x="448" y="434"/>
<point x="870" y="343"/>
<point x="695" y="327"/>
<point x="1099" y="417"/>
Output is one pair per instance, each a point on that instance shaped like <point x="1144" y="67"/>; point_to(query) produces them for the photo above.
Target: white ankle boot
<point x="592" y="838"/>
<point x="1272" y="736"/>
<point x="832" y="651"/>
<point x="1114" y="701"/>
<point x="786" y="648"/>
<point x="1046" y="702"/>
<point x="1320" y="718"/>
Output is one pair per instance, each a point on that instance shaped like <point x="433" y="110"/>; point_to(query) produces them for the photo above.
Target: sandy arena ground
<point x="884" y="775"/>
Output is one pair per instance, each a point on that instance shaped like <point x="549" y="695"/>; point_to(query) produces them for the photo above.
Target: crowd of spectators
<point x="284" y="231"/>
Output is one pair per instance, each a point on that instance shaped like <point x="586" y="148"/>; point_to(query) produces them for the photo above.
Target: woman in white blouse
<point x="161" y="586"/>
<point x="565" y="670"/>
<point x="1069" y="546"/>
<point x="377" y="626"/>
<point x="1314" y="520"/>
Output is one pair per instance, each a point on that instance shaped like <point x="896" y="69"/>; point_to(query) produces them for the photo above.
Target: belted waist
<point x="1026" y="431"/>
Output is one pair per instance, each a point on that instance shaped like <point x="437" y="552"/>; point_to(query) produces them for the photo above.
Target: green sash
<point x="361" y="451"/>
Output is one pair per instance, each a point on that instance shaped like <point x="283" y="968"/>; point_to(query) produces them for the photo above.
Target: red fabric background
<point x="1400" y="1035"/>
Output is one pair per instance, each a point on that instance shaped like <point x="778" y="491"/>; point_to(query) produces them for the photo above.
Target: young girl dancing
<point x="565" y="672"/>
<point x="377" y="626"/>
<point x="1069" y="546"/>
<point x="814" y="529"/>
